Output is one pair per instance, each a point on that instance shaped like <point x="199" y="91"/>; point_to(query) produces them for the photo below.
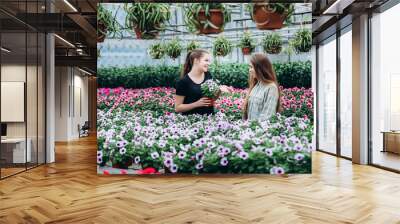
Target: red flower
<point x="106" y="172"/>
<point x="123" y="172"/>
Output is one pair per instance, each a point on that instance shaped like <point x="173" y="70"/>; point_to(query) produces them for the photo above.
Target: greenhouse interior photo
<point x="276" y="111"/>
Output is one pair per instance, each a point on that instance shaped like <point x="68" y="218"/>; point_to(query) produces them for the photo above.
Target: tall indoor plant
<point x="206" y="18"/>
<point x="147" y="19"/>
<point x="269" y="16"/>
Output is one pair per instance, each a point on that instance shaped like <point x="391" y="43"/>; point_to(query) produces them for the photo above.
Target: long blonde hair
<point x="264" y="73"/>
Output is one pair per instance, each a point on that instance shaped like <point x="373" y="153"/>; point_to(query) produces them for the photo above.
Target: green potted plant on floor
<point x="173" y="48"/>
<point x="272" y="43"/>
<point x="106" y="23"/>
<point x="269" y="16"/>
<point x="222" y="46"/>
<point x="157" y="50"/>
<point x="206" y="18"/>
<point x="247" y="44"/>
<point x="192" y="45"/>
<point x="147" y="19"/>
<point x="302" y="41"/>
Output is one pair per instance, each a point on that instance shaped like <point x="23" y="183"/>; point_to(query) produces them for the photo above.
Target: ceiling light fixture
<point x="70" y="5"/>
<point x="65" y="41"/>
<point x="5" y="50"/>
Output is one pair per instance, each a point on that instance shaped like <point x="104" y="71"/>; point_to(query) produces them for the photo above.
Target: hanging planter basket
<point x="101" y="32"/>
<point x="268" y="16"/>
<point x="215" y="21"/>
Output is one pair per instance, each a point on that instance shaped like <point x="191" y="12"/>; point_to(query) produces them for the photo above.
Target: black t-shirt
<point x="192" y="93"/>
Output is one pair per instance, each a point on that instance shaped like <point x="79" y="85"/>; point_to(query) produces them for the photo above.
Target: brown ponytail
<point x="191" y="55"/>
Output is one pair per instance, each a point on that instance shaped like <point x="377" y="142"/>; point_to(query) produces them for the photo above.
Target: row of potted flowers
<point x="295" y="101"/>
<point x="172" y="143"/>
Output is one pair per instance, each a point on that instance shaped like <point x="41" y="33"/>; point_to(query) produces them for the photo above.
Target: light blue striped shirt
<point x="263" y="101"/>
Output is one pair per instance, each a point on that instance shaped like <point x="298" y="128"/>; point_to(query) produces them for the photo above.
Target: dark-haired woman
<point x="189" y="98"/>
<point x="263" y="96"/>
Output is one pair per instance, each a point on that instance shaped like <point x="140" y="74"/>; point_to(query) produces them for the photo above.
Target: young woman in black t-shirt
<point x="189" y="98"/>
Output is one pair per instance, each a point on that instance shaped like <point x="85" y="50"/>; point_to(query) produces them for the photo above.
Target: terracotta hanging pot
<point x="265" y="19"/>
<point x="246" y="51"/>
<point x="216" y="17"/>
<point x="101" y="35"/>
<point x="140" y="35"/>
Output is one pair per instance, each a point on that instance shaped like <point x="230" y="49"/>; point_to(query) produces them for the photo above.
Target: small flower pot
<point x="246" y="51"/>
<point x="266" y="19"/>
<point x="216" y="17"/>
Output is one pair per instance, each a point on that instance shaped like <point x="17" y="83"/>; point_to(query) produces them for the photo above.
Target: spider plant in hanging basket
<point x="157" y="50"/>
<point x="173" y="48"/>
<point x="302" y="41"/>
<point x="270" y="16"/>
<point x="106" y="24"/>
<point x="147" y="19"/>
<point x="272" y="43"/>
<point x="192" y="45"/>
<point x="206" y="18"/>
<point x="222" y="46"/>
<point x="247" y="44"/>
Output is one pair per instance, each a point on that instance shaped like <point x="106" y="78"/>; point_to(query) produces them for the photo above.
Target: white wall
<point x="71" y="94"/>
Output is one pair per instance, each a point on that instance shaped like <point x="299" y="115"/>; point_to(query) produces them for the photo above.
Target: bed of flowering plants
<point x="295" y="101"/>
<point x="172" y="143"/>
<point x="139" y="133"/>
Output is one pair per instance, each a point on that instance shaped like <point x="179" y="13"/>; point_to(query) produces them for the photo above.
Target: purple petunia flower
<point x="167" y="162"/>
<point x="181" y="154"/>
<point x="244" y="155"/>
<point x="137" y="159"/>
<point x="269" y="152"/>
<point x="122" y="151"/>
<point x="277" y="170"/>
<point x="224" y="161"/>
<point x="99" y="160"/>
<point x="173" y="168"/>
<point x="199" y="166"/>
<point x="298" y="147"/>
<point x="298" y="156"/>
<point x="122" y="144"/>
<point x="154" y="155"/>
<point x="239" y="146"/>
<point x="99" y="154"/>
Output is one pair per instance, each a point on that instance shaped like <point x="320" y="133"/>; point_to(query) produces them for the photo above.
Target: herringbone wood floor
<point x="70" y="191"/>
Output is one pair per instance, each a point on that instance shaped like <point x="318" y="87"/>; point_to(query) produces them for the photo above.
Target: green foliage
<point x="272" y="43"/>
<point x="235" y="74"/>
<point x="157" y="50"/>
<point x="192" y="45"/>
<point x="173" y="48"/>
<point x="302" y="41"/>
<point x="148" y="18"/>
<point x="222" y="46"/>
<point x="192" y="13"/>
<point x="247" y="42"/>
<point x="107" y="24"/>
<point x="286" y="9"/>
